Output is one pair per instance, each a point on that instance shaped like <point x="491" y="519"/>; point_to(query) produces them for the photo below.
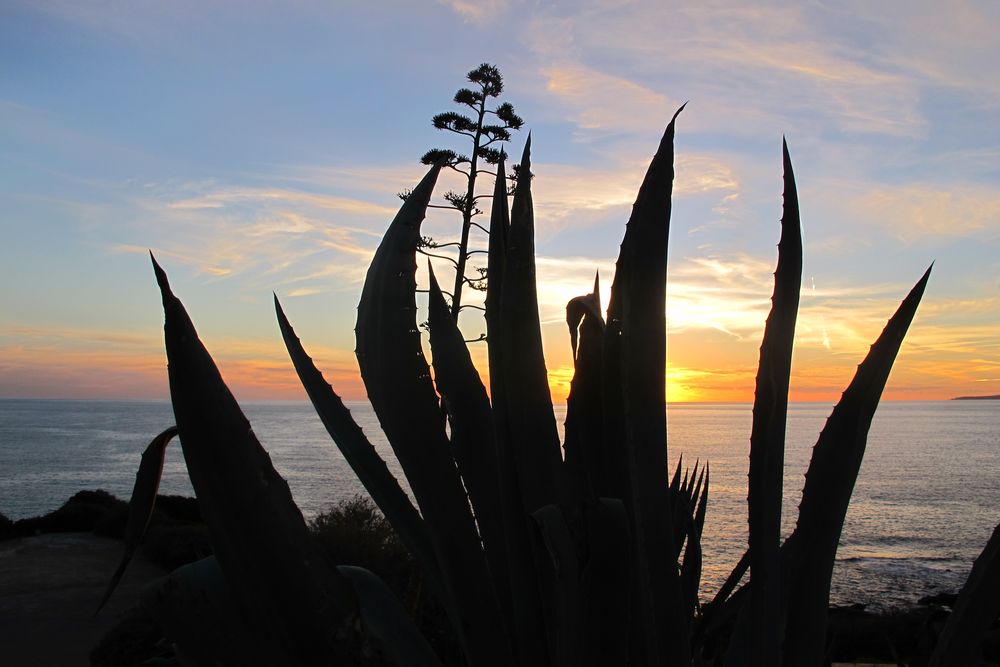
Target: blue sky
<point x="258" y="146"/>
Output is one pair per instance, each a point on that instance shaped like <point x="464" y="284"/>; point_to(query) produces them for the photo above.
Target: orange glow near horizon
<point x="256" y="372"/>
<point x="143" y="376"/>
<point x="938" y="361"/>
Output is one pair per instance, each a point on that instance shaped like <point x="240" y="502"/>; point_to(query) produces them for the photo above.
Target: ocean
<point x="924" y="505"/>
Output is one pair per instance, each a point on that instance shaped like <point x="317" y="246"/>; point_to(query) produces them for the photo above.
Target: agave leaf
<point x="195" y="609"/>
<point x="496" y="258"/>
<point x="724" y="605"/>
<point x="526" y="436"/>
<point x="636" y="319"/>
<point x="699" y="516"/>
<point x="398" y="381"/>
<point x="584" y="424"/>
<point x="691" y="569"/>
<point x="675" y="483"/>
<point x="274" y="570"/>
<point x="529" y="621"/>
<point x="606" y="579"/>
<point x="732" y="581"/>
<point x="140" y="505"/>
<point x="975" y="611"/>
<point x="386" y="619"/>
<point x="361" y="455"/>
<point x="682" y="506"/>
<point x="688" y="478"/>
<point x="530" y="421"/>
<point x="833" y="470"/>
<point x="767" y="438"/>
<point x="561" y="547"/>
<point x="468" y="409"/>
<point x="578" y="308"/>
<point x="588" y="547"/>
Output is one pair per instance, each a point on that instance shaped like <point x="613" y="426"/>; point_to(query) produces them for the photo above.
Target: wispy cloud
<point x="724" y="56"/>
<point x="477" y="11"/>
<point x="914" y="212"/>
<point x="599" y="101"/>
<point x="275" y="235"/>
<point x="238" y="196"/>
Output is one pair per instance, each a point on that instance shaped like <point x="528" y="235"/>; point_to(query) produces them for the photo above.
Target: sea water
<point x="924" y="505"/>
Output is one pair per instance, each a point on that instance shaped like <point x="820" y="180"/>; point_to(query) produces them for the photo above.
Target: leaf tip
<point x="918" y="289"/>
<point x="786" y="158"/>
<point x="432" y="278"/>
<point x="161" y="277"/>
<point x="677" y="113"/>
<point x="526" y="157"/>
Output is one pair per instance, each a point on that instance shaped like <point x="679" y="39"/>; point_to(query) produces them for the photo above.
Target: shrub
<point x="355" y="532"/>
<point x="84" y="512"/>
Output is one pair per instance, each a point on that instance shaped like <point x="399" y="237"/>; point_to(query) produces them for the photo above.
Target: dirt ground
<point x="49" y="587"/>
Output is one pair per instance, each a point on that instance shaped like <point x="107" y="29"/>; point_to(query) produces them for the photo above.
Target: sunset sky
<point x="258" y="146"/>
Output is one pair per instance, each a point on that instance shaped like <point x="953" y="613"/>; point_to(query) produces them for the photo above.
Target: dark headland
<point x="994" y="397"/>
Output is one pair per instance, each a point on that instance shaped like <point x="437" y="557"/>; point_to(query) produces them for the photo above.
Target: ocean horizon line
<point x="355" y="401"/>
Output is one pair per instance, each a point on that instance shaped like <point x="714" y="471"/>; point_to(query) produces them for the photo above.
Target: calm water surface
<point x="925" y="503"/>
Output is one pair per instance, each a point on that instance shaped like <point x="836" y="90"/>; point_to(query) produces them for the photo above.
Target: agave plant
<point x="581" y="552"/>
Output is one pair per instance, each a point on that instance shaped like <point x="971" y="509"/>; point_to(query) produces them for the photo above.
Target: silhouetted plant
<point x="585" y="552"/>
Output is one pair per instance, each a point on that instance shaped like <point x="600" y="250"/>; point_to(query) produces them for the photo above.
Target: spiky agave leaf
<point x="567" y="621"/>
<point x="468" y="408"/>
<point x="584" y="423"/>
<point x="530" y="421"/>
<point x="529" y="626"/>
<point x="684" y="497"/>
<point x="386" y="619"/>
<point x="692" y="563"/>
<point x="636" y="341"/>
<point x="833" y="470"/>
<point x="606" y="581"/>
<point x="588" y="546"/>
<point x="140" y="505"/>
<point x="975" y="611"/>
<point x="723" y="606"/>
<point x="361" y="455"/>
<point x="691" y="570"/>
<point x="398" y="381"/>
<point x="767" y="437"/>
<point x="496" y="259"/>
<point x="675" y="482"/>
<point x="274" y="570"/>
<point x="578" y="308"/>
<point x="196" y="611"/>
<point x="526" y="425"/>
